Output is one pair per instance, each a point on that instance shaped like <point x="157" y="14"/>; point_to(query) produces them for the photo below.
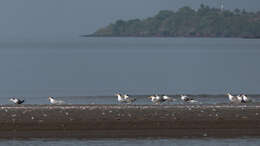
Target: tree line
<point x="188" y="22"/>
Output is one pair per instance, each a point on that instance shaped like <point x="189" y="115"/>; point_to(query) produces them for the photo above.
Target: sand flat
<point x="107" y="121"/>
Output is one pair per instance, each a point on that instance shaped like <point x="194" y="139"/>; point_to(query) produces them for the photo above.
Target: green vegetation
<point x="187" y="22"/>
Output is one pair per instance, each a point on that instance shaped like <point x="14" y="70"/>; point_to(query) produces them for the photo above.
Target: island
<point x="188" y="22"/>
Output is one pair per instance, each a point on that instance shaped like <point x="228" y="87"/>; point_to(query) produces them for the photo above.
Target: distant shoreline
<point x="115" y="36"/>
<point x="188" y="22"/>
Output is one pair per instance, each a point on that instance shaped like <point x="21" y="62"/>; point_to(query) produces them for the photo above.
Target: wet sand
<point x="128" y="121"/>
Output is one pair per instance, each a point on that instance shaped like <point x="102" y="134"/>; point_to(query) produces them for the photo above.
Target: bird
<point x="240" y="99"/>
<point x="168" y="98"/>
<point x="160" y="98"/>
<point x="16" y="100"/>
<point x="129" y="99"/>
<point x="234" y="99"/>
<point x="246" y="99"/>
<point x="120" y="98"/>
<point x="156" y="99"/>
<point x="55" y="101"/>
<point x="188" y="99"/>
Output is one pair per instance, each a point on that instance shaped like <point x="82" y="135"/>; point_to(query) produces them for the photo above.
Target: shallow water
<point x="135" y="142"/>
<point x="141" y="99"/>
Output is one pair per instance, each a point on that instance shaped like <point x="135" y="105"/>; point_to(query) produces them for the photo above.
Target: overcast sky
<point x="41" y="19"/>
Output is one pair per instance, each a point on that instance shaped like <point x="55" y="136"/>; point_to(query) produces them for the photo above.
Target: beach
<point x="129" y="121"/>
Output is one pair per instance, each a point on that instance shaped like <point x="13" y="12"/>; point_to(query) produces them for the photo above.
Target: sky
<point x="60" y="19"/>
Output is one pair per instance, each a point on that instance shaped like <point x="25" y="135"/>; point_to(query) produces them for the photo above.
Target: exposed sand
<point x="108" y="121"/>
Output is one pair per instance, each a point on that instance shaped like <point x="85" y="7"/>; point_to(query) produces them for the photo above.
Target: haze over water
<point x="103" y="66"/>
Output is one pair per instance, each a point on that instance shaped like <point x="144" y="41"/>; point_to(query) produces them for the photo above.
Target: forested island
<point x="188" y="22"/>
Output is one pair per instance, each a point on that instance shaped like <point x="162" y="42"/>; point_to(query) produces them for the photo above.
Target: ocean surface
<point x="137" y="66"/>
<point x="92" y="70"/>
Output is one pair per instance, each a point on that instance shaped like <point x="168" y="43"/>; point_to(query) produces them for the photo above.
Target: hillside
<point x="187" y="22"/>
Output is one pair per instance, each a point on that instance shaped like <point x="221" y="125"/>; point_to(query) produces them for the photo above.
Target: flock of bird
<point x="242" y="98"/>
<point x="156" y="99"/>
<point x="51" y="99"/>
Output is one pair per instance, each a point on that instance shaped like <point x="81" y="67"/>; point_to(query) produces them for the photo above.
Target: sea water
<point x="139" y="66"/>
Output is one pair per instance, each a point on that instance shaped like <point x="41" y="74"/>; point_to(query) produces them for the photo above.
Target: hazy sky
<point x="41" y="19"/>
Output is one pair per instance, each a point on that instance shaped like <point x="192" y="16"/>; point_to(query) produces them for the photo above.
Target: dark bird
<point x="16" y="100"/>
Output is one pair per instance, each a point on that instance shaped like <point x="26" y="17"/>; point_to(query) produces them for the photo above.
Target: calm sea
<point x="103" y="66"/>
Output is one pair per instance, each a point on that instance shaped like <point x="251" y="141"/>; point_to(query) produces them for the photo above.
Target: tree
<point x="206" y="22"/>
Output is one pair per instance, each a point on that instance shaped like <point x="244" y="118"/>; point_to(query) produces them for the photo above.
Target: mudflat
<point x="110" y="121"/>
